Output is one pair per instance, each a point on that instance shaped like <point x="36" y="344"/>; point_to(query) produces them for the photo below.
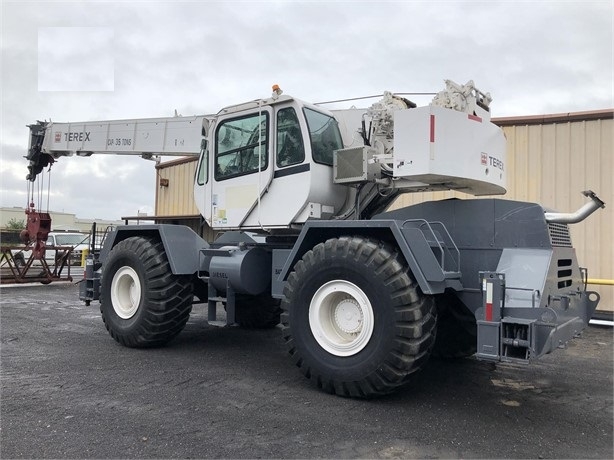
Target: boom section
<point x="149" y="138"/>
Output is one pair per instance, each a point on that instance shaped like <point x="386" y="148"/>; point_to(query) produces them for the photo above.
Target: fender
<point x="412" y="244"/>
<point x="181" y="244"/>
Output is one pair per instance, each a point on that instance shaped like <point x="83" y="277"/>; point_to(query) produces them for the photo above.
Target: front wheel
<point x="354" y="320"/>
<point x="142" y="303"/>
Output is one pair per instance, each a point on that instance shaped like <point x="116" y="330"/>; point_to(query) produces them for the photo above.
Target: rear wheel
<point x="456" y="329"/>
<point x="257" y="312"/>
<point x="142" y="303"/>
<point x="354" y="320"/>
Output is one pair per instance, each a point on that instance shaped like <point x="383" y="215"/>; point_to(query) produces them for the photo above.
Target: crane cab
<point x="268" y="164"/>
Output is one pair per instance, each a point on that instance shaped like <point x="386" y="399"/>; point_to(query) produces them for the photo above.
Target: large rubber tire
<point x="456" y="329"/>
<point x="257" y="312"/>
<point x="142" y="303"/>
<point x="354" y="320"/>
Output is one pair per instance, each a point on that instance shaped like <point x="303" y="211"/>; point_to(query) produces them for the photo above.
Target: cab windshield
<point x="324" y="135"/>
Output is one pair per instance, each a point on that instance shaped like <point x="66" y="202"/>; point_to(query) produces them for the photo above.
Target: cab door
<point x="241" y="163"/>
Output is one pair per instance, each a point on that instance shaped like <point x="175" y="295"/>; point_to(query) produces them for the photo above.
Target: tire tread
<point x="414" y="313"/>
<point x="167" y="297"/>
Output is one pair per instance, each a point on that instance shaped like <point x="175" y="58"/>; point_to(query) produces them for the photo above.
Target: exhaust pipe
<point x="580" y="214"/>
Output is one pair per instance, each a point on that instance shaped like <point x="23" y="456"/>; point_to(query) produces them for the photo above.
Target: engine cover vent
<point x="559" y="235"/>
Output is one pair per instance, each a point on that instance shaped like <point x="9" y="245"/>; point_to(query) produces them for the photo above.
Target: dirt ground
<point x="69" y="391"/>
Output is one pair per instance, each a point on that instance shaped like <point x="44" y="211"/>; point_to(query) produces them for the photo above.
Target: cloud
<point x="75" y="59"/>
<point x="103" y="187"/>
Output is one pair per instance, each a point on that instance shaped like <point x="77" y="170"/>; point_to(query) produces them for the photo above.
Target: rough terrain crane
<point x="298" y="196"/>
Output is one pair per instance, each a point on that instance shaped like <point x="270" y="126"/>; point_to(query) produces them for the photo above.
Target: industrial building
<point x="62" y="221"/>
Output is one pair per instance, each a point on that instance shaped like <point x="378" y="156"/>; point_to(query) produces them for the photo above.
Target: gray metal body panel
<point x="247" y="270"/>
<point x="412" y="244"/>
<point x="280" y="257"/>
<point x="543" y="301"/>
<point x="525" y="333"/>
<point x="481" y="229"/>
<point x="227" y="240"/>
<point x="181" y="244"/>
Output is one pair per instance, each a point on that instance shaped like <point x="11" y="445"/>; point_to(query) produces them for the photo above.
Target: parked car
<point x="78" y="241"/>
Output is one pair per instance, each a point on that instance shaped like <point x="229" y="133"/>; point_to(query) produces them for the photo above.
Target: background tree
<point x="14" y="224"/>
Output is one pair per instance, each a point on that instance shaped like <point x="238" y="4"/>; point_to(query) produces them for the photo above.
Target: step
<point x="218" y="299"/>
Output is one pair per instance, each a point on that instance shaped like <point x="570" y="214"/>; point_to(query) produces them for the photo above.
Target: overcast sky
<point x="79" y="60"/>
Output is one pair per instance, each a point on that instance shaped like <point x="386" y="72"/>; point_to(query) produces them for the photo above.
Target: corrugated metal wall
<point x="177" y="198"/>
<point x="551" y="163"/>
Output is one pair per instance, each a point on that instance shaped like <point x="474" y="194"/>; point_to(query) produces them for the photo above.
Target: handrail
<point x="447" y="240"/>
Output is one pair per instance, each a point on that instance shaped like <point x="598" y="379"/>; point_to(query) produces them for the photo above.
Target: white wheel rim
<point x="125" y="292"/>
<point x="341" y="318"/>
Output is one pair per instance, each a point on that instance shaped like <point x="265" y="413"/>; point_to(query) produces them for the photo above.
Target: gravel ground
<point x="69" y="391"/>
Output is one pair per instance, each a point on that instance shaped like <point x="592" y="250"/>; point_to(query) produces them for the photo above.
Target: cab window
<point x="241" y="146"/>
<point x="324" y="135"/>
<point x="202" y="175"/>
<point x="290" y="148"/>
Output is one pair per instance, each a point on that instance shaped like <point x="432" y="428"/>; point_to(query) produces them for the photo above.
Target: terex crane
<point x="301" y="193"/>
